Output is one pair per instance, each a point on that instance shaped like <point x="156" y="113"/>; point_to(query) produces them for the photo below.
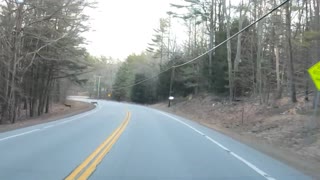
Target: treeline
<point x="268" y="61"/>
<point x="40" y="44"/>
<point x="135" y="69"/>
<point x="100" y="79"/>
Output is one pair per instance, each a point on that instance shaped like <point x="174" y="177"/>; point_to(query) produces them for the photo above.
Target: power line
<point x="147" y="79"/>
<point x="235" y="35"/>
<point x="210" y="50"/>
<point x="142" y="81"/>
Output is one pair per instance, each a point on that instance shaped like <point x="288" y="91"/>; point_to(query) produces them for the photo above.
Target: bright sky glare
<point x="122" y="27"/>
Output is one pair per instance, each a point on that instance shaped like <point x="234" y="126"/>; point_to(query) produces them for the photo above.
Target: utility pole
<point x="111" y="70"/>
<point x="99" y="77"/>
<point x="171" y="84"/>
<point x="169" y="34"/>
<point x="94" y="86"/>
<point x="111" y="81"/>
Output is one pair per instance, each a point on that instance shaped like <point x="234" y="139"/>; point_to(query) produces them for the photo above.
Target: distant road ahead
<point x="119" y="141"/>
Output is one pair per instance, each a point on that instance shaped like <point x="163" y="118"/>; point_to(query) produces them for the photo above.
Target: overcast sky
<point x="123" y="27"/>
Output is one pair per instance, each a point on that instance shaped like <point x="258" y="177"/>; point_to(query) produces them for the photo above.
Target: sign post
<point x="314" y="73"/>
<point x="317" y="104"/>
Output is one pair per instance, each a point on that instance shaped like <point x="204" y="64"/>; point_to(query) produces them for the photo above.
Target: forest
<point x="41" y="52"/>
<point x="267" y="61"/>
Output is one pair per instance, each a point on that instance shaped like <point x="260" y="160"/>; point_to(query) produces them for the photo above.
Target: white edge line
<point x="218" y="144"/>
<point x="75" y="118"/>
<point x="21" y="134"/>
<point x="255" y="168"/>
<point x="252" y="166"/>
<point x="49" y="126"/>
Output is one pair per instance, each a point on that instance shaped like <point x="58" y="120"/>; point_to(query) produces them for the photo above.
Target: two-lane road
<point x="119" y="141"/>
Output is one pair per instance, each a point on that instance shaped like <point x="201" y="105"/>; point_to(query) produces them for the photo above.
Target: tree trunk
<point x="317" y="22"/>
<point x="259" y="49"/>
<point x="290" y="58"/>
<point x="238" y="53"/>
<point x="211" y="36"/>
<point x="279" y="88"/>
<point x="306" y="51"/>
<point x="16" y="55"/>
<point x="230" y="75"/>
<point x="47" y="108"/>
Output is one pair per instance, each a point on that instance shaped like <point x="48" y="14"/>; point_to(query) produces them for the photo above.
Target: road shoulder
<point x="308" y="166"/>
<point x="60" y="112"/>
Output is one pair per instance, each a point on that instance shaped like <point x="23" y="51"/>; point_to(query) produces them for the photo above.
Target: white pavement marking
<point x="46" y="127"/>
<point x="255" y="168"/>
<point x="252" y="166"/>
<point x="52" y="125"/>
<point x="218" y="144"/>
<point x="21" y="134"/>
<point x="73" y="119"/>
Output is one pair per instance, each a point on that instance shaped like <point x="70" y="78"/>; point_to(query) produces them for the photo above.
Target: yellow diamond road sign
<point x="314" y="72"/>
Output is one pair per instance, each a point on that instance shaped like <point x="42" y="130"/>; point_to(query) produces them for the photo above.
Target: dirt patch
<point x="280" y="129"/>
<point x="58" y="111"/>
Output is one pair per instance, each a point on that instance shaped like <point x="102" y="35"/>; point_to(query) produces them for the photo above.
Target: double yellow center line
<point x="89" y="165"/>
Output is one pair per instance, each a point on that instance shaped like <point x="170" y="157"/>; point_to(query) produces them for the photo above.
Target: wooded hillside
<point x="267" y="61"/>
<point x="40" y="44"/>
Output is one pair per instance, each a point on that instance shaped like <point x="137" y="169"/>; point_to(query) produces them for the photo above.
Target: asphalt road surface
<point x="117" y="141"/>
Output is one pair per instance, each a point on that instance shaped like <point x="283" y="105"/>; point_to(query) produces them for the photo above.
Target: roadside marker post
<point x="171" y="86"/>
<point x="171" y="98"/>
<point x="317" y="104"/>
